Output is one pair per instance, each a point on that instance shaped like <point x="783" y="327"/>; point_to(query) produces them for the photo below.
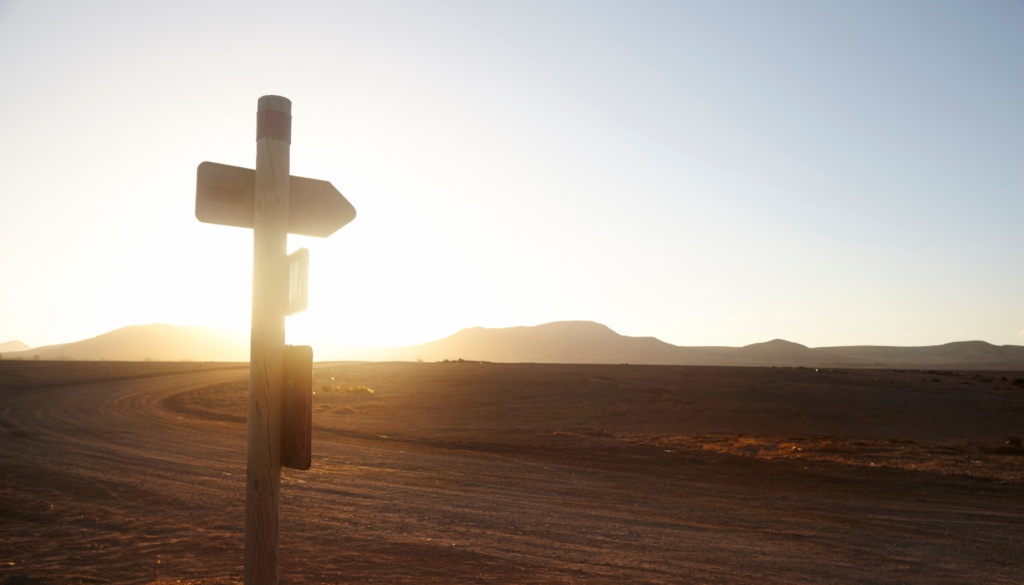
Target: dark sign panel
<point x="297" y="424"/>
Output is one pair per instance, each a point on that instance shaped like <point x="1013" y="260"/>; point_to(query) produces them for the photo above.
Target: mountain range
<point x="156" y="342"/>
<point x="559" y="342"/>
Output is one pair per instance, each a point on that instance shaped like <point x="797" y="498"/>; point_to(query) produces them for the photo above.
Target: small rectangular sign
<point x="297" y="426"/>
<point x="298" y="281"/>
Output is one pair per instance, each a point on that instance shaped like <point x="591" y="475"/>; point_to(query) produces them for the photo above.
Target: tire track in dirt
<point x="104" y="479"/>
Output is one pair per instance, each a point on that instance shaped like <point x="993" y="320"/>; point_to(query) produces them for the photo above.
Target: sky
<point x="708" y="173"/>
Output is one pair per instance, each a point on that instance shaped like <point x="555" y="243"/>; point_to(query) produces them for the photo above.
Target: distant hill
<point x="157" y="341"/>
<point x="580" y="342"/>
<point x="559" y="342"/>
<point x="959" y="354"/>
<point x="10" y="346"/>
<point x="779" y="352"/>
<point x="585" y="342"/>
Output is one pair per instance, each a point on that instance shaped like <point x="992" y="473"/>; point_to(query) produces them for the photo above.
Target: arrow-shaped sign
<point x="279" y="418"/>
<point x="225" y="195"/>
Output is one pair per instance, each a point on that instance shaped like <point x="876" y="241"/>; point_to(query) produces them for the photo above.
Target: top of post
<point x="275" y="102"/>
<point x="274" y="118"/>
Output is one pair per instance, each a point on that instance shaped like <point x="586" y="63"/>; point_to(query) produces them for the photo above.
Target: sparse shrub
<point x="1012" y="446"/>
<point x="836" y="445"/>
<point x="325" y="389"/>
<point x="330" y="409"/>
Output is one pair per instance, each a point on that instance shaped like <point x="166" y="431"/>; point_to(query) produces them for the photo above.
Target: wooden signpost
<point x="273" y="204"/>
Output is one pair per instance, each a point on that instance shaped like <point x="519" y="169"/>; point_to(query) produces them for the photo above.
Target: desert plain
<point x="466" y="472"/>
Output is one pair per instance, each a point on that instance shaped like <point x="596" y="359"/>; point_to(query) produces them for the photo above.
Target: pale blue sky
<point x="709" y="173"/>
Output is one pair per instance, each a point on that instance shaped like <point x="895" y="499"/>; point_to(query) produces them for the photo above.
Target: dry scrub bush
<point x="1011" y="447"/>
<point x="330" y="409"/>
<point x="1000" y="461"/>
<point x="325" y="389"/>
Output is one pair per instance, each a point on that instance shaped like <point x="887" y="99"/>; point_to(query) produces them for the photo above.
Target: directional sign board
<point x="279" y="418"/>
<point x="225" y="195"/>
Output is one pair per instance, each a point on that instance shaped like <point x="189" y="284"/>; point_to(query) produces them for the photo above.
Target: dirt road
<point x="140" y="480"/>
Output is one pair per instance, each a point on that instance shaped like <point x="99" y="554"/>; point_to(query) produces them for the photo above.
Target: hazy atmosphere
<point x="512" y="292"/>
<point x="717" y="173"/>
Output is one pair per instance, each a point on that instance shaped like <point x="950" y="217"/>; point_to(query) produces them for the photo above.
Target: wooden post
<point x="266" y="358"/>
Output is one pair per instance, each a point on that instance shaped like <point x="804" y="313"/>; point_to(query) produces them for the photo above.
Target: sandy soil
<point x="501" y="473"/>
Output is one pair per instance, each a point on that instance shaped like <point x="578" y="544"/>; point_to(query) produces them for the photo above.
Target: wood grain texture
<point x="266" y="363"/>
<point x="297" y="431"/>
